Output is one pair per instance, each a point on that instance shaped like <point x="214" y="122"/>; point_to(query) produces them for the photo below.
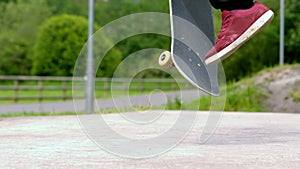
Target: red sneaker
<point x="238" y="26"/>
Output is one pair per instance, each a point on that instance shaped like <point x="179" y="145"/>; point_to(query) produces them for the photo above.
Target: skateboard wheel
<point x="165" y="59"/>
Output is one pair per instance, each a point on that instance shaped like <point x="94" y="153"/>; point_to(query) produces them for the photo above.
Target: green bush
<point x="58" y="44"/>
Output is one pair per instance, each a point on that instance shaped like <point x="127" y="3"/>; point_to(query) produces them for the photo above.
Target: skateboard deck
<point x="192" y="37"/>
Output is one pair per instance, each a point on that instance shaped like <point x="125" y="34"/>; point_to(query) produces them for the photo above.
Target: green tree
<point x="109" y="10"/>
<point x="13" y="60"/>
<point x="23" y="18"/>
<point x="292" y="31"/>
<point x="73" y="7"/>
<point x="19" y="25"/>
<point x="5" y="1"/>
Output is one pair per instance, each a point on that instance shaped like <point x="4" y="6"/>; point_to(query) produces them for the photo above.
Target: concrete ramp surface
<point x="242" y="140"/>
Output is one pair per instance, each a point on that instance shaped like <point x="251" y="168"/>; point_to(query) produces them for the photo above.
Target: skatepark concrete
<point x="242" y="140"/>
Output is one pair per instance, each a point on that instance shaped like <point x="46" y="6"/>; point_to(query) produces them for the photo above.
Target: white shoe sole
<point x="256" y="27"/>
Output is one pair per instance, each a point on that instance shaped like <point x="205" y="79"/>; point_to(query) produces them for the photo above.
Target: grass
<point x="246" y="99"/>
<point x="295" y="94"/>
<point x="175" y="104"/>
<point x="130" y="109"/>
<point x="32" y="114"/>
<point x="105" y="111"/>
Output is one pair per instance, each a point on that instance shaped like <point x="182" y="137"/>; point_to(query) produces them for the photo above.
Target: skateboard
<point x="192" y="36"/>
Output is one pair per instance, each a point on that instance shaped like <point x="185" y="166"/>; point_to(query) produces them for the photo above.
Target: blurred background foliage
<point x="44" y="37"/>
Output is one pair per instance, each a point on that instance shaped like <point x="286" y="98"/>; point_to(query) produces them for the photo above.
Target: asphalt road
<point x="242" y="140"/>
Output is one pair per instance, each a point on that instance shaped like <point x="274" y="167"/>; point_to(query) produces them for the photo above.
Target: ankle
<point x="240" y="6"/>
